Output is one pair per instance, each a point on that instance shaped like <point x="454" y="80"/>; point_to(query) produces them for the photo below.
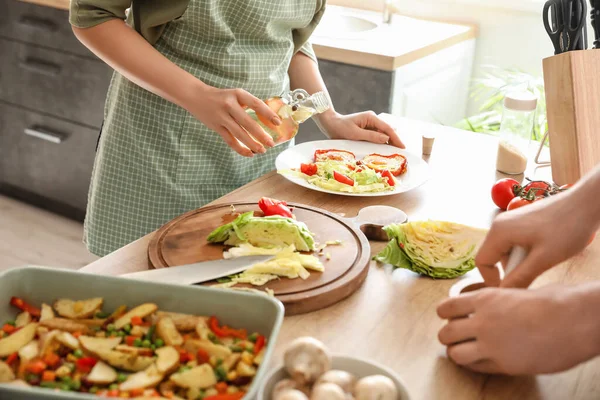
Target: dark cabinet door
<point x="46" y="156"/>
<point x="44" y="26"/>
<point x="61" y="84"/>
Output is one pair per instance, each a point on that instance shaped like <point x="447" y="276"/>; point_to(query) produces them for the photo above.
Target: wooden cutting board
<point x="183" y="241"/>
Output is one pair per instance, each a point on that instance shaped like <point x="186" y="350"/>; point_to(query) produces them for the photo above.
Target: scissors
<point x="565" y="22"/>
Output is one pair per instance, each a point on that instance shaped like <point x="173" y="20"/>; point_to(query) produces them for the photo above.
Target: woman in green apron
<point x="175" y="133"/>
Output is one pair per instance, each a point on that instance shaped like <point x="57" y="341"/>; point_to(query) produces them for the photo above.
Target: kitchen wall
<point x="511" y="33"/>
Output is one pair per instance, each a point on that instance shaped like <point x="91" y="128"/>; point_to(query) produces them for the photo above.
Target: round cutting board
<point x="183" y="241"/>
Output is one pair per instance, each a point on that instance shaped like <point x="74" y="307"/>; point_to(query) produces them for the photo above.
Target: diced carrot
<point x="136" y="321"/>
<point x="203" y="357"/>
<point x="8" y="328"/>
<point x="51" y="359"/>
<point x="136" y="392"/>
<point x="113" y="393"/>
<point x="36" y="367"/>
<point x="49" y="376"/>
<point x="77" y="334"/>
<point x="129" y="340"/>
<point x="12" y="358"/>
<point x="221" y="387"/>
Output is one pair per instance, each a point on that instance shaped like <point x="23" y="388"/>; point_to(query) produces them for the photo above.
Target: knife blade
<point x="198" y="272"/>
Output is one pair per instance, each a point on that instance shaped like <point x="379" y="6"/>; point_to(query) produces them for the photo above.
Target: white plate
<point x="416" y="174"/>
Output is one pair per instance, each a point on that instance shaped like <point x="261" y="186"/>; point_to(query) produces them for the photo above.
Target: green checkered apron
<point x="155" y="161"/>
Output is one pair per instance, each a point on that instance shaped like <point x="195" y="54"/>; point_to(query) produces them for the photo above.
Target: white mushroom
<point x="291" y="394"/>
<point x="327" y="391"/>
<point x="306" y="359"/>
<point x="375" y="387"/>
<point x="287" y="384"/>
<point x="343" y="379"/>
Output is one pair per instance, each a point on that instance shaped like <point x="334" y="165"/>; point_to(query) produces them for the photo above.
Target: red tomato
<point x="342" y="179"/>
<point x="538" y="186"/>
<point x="274" y="207"/>
<point x="308" y="169"/>
<point x="504" y="191"/>
<point x="390" y="178"/>
<point x="518" y="202"/>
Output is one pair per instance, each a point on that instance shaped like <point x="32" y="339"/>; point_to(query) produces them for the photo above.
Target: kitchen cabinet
<point x="52" y="93"/>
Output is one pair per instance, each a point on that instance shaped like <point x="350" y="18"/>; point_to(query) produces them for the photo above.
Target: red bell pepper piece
<point x="136" y="321"/>
<point x="260" y="344"/>
<point x="225" y="331"/>
<point x="51" y="359"/>
<point x="202" y="357"/>
<point x="395" y="163"/>
<point x="334" y="154"/>
<point x="36" y="367"/>
<point x="86" y="364"/>
<point x="23" y="306"/>
<point x="129" y="340"/>
<point x="342" y="179"/>
<point x="12" y="358"/>
<point x="390" y="178"/>
<point x="275" y="207"/>
<point x="308" y="169"/>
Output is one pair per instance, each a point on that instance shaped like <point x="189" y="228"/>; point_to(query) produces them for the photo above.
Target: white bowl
<point x="358" y="367"/>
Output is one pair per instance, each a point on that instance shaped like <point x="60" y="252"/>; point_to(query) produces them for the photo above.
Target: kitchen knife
<point x="596" y="22"/>
<point x="198" y="272"/>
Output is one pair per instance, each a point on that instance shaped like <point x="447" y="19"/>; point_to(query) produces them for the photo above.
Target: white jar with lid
<point x="518" y="117"/>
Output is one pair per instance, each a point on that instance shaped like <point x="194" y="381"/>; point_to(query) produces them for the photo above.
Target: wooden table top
<point x="392" y="318"/>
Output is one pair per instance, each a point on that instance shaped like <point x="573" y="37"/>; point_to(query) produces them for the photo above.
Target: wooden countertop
<point x="386" y="48"/>
<point x="392" y="318"/>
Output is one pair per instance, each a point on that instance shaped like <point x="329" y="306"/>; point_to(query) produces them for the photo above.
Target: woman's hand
<point x="552" y="230"/>
<point x="517" y="332"/>
<point x="224" y="111"/>
<point x="366" y="126"/>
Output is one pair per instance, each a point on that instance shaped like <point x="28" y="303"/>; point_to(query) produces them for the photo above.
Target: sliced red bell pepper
<point x="395" y="163"/>
<point x="259" y="344"/>
<point x="342" y="179"/>
<point x="390" y="178"/>
<point x="225" y="331"/>
<point x="85" y="364"/>
<point x="308" y="169"/>
<point x="334" y="154"/>
<point x="275" y="207"/>
<point x="23" y="306"/>
<point x="12" y="358"/>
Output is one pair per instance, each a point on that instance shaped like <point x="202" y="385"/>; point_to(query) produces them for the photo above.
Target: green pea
<point x="121" y="334"/>
<point x="78" y="353"/>
<point x="236" y="340"/>
<point x="114" y="386"/>
<point x="153" y="346"/>
<point x="127" y="328"/>
<point x="146" y="343"/>
<point x="110" y="327"/>
<point x="159" y="342"/>
<point x="221" y="373"/>
<point x="94" y="389"/>
<point x="121" y="377"/>
<point x="137" y="342"/>
<point x="253" y="337"/>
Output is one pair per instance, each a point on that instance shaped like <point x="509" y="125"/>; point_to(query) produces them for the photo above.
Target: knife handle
<point x="595" y="14"/>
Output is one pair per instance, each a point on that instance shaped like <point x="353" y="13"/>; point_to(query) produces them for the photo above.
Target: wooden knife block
<point x="572" y="85"/>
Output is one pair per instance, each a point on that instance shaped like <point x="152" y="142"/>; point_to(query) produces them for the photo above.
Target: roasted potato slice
<point x="201" y="377"/>
<point x="68" y="340"/>
<point x="166" y="330"/>
<point x="64" y="325"/>
<point x="150" y="377"/>
<point x="17" y="340"/>
<point x="168" y="360"/>
<point x="6" y="373"/>
<point x="78" y="309"/>
<point x="97" y="345"/>
<point x="48" y="342"/>
<point x="202" y="329"/>
<point x="129" y="362"/>
<point x="102" y="374"/>
<point x="141" y="351"/>
<point x="193" y="345"/>
<point x="244" y="369"/>
<point x="141" y="311"/>
<point x="183" y="322"/>
<point x="90" y="323"/>
<point x="22" y="319"/>
<point x="231" y="361"/>
<point x="47" y="312"/>
<point x="30" y="351"/>
<point x="139" y="330"/>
